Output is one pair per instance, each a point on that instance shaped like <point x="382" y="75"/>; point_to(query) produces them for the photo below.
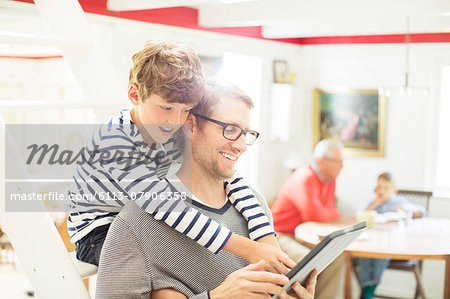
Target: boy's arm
<point x="417" y="210"/>
<point x="139" y="182"/>
<point x="244" y="200"/>
<point x="374" y="204"/>
<point x="120" y="171"/>
<point x="267" y="247"/>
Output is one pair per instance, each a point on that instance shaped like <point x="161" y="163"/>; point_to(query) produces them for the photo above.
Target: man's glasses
<point x="232" y="132"/>
<point x="338" y="161"/>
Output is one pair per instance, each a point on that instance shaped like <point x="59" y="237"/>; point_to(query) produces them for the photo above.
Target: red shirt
<point x="304" y="197"/>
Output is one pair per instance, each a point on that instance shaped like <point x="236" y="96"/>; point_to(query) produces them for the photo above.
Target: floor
<point x="15" y="285"/>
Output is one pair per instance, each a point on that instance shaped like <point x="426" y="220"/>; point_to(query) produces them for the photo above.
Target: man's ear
<point x="319" y="161"/>
<point x="133" y="94"/>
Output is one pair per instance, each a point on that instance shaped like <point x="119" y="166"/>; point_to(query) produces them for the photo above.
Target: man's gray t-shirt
<point x="141" y="254"/>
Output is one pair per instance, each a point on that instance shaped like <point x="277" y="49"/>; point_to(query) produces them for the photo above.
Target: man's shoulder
<point x="135" y="218"/>
<point x="307" y="174"/>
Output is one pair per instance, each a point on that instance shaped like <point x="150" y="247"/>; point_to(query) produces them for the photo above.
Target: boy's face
<point x="384" y="189"/>
<point x="160" y="118"/>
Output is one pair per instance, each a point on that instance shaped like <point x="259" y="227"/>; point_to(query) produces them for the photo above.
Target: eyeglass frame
<point x="224" y="125"/>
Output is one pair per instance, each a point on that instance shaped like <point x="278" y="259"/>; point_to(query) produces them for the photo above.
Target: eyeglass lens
<point x="233" y="132"/>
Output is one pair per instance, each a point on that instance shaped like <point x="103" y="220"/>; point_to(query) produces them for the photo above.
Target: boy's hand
<point x="375" y="203"/>
<point x="276" y="261"/>
<point x="266" y="249"/>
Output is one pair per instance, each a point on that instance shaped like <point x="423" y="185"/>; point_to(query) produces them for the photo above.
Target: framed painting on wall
<point x="280" y="72"/>
<point x="356" y="117"/>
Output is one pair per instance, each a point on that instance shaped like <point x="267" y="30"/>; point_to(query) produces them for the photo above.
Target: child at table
<point x="370" y="270"/>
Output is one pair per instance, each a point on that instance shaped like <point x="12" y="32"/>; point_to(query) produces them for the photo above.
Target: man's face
<point x="210" y="150"/>
<point x="332" y="163"/>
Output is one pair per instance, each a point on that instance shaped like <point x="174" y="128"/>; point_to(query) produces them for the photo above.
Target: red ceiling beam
<point x="188" y="18"/>
<point x="370" y="39"/>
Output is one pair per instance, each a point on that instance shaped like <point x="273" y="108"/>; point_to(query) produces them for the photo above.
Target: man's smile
<point x="228" y="156"/>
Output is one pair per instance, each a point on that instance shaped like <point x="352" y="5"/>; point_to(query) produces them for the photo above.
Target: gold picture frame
<point x="357" y="117"/>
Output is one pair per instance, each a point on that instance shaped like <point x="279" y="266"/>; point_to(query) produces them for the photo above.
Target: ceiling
<point x="295" y="21"/>
<point x="305" y="18"/>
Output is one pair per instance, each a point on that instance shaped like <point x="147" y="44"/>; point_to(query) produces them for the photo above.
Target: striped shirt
<point x="118" y="166"/>
<point x="141" y="255"/>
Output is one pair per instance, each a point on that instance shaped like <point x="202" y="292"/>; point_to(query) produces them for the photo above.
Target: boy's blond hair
<point x="169" y="69"/>
<point x="387" y="177"/>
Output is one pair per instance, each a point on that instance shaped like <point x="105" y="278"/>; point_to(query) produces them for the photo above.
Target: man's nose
<point x="240" y="144"/>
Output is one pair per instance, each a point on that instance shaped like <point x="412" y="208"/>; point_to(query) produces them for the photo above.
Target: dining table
<point x="412" y="239"/>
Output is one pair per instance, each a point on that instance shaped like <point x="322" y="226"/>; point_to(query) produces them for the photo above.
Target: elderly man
<point x="144" y="257"/>
<point x="309" y="195"/>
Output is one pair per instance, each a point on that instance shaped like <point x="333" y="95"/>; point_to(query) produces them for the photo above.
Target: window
<point x="246" y="72"/>
<point x="442" y="182"/>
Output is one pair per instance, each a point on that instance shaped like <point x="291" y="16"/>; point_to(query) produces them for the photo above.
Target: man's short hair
<point x="169" y="69"/>
<point x="215" y="91"/>
<point x="323" y="148"/>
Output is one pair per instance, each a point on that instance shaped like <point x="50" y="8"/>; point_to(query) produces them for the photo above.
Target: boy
<point x="387" y="200"/>
<point x="165" y="84"/>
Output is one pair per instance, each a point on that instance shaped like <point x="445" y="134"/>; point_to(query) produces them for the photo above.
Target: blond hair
<point x="169" y="69"/>
<point x="387" y="177"/>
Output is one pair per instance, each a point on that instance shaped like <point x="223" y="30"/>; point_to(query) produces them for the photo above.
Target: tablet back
<point x="324" y="253"/>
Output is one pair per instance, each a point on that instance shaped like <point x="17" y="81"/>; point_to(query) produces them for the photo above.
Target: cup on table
<point x="367" y="216"/>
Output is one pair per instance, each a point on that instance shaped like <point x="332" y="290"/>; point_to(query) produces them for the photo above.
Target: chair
<point x="419" y="197"/>
<point x="422" y="198"/>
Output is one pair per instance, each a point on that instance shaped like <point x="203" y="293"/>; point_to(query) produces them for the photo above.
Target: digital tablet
<point x="324" y="253"/>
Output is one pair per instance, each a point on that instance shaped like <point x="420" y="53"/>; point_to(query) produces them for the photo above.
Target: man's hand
<point x="251" y="282"/>
<point x="309" y="291"/>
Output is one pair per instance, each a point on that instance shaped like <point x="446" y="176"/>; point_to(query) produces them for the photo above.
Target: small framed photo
<point x="355" y="117"/>
<point x="280" y="71"/>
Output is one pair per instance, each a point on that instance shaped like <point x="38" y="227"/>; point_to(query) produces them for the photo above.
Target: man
<point x="309" y="195"/>
<point x="143" y="256"/>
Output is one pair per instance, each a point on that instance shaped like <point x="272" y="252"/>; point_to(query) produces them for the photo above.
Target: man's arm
<point x="250" y="281"/>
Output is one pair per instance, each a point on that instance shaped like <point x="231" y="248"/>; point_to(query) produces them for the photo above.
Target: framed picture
<point x="280" y="71"/>
<point x="355" y="117"/>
